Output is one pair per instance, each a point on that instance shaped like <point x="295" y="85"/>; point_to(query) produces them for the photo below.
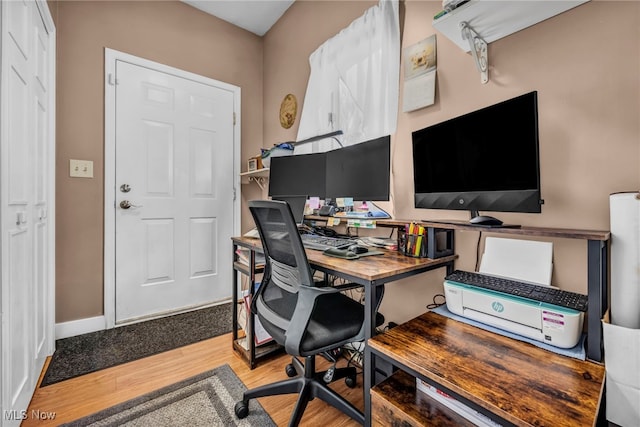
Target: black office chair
<point x="305" y="318"/>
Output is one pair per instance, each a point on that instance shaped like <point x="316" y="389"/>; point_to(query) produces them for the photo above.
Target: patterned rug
<point x="204" y="400"/>
<point x="92" y="352"/>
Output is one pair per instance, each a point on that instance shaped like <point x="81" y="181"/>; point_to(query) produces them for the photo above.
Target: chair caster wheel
<point x="290" y="370"/>
<point x="241" y="409"/>
<point x="350" y="381"/>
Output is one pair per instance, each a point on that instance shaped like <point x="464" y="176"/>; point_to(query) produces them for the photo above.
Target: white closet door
<point x="26" y="151"/>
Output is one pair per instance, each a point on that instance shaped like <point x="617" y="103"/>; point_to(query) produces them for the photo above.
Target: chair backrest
<point x="286" y="266"/>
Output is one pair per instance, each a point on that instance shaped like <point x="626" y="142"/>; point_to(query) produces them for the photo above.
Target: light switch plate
<point x="80" y="168"/>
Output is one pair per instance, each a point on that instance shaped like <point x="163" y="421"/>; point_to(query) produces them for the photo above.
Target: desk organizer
<point x="413" y="241"/>
<point x="417" y="241"/>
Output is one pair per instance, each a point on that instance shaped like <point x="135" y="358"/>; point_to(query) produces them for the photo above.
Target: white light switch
<point x="81" y="168"/>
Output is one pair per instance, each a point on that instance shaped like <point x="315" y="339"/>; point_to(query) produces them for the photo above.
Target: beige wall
<point x="585" y="66"/>
<point x="168" y="32"/>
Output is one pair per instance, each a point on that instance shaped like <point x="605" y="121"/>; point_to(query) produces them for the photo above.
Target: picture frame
<point x="254" y="163"/>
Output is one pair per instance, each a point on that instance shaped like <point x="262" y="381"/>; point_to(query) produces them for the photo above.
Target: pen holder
<point x="413" y="245"/>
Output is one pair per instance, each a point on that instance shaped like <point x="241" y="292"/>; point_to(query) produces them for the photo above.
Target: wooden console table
<point x="511" y="382"/>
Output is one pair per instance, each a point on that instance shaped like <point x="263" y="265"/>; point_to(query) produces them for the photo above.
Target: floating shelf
<point x="491" y="20"/>
<point x="259" y="176"/>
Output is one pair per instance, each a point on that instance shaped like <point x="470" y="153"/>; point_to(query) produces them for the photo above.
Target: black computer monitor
<point x="486" y="160"/>
<point x="296" y="204"/>
<point x="298" y="174"/>
<point x="360" y="171"/>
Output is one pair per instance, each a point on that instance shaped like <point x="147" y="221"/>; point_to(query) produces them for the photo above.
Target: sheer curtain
<point x="353" y="85"/>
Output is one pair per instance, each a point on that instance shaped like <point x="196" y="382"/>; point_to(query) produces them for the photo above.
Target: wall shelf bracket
<point x="479" y="50"/>
<point x="260" y="180"/>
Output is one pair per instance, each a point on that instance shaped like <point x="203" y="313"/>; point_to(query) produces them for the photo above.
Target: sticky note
<point x="314" y="202"/>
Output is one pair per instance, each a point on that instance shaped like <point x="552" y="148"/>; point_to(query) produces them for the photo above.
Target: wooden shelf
<point x="566" y="233"/>
<point x="397" y="401"/>
<point x="261" y="351"/>
<point x="244" y="268"/>
<point x="259" y="176"/>
<point x="464" y="362"/>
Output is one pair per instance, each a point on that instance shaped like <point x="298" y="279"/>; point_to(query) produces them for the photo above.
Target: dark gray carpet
<point x="204" y="400"/>
<point x="91" y="352"/>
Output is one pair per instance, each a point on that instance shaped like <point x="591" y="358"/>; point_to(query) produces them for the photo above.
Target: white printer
<point x="552" y="324"/>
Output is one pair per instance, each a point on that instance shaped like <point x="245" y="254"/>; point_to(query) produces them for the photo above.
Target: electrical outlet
<point x="80" y="168"/>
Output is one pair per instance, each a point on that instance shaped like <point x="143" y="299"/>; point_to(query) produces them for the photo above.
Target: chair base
<point x="308" y="384"/>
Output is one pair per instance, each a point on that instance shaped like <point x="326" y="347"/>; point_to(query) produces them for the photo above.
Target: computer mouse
<point x="485" y="220"/>
<point x="357" y="249"/>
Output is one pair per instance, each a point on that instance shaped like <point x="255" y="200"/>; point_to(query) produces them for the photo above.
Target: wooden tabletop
<point x="566" y="233"/>
<point x="376" y="267"/>
<point x="369" y="268"/>
<point x="517" y="381"/>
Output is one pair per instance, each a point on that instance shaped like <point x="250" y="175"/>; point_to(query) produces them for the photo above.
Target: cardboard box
<point x="622" y="367"/>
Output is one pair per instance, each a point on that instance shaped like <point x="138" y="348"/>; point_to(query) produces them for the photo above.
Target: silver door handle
<point x="125" y="204"/>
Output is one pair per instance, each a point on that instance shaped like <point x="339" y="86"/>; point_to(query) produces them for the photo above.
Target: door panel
<point x="17" y="229"/>
<point x="25" y="155"/>
<point x="174" y="148"/>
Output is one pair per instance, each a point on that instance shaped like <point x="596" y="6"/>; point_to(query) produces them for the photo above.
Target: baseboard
<point x="80" y="326"/>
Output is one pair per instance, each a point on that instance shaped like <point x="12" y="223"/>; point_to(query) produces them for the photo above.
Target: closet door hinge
<point x="112" y="80"/>
<point x="234" y="118"/>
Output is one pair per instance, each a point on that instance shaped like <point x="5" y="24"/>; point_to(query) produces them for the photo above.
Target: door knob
<point x="125" y="204"/>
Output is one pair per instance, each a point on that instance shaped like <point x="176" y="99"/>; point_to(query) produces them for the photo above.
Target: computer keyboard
<point x="321" y="243"/>
<point x="538" y="293"/>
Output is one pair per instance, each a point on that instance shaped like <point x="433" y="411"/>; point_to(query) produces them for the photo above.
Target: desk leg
<point x="234" y="300"/>
<point x="373" y="295"/>
<point x="369" y="375"/>
<point x="597" y="282"/>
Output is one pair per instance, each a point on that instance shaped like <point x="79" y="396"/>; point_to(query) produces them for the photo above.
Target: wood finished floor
<point x="81" y="396"/>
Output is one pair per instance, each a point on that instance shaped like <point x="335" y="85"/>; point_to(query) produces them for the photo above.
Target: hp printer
<point x="552" y="324"/>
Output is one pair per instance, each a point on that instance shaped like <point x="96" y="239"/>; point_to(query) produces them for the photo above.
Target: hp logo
<point x="497" y="307"/>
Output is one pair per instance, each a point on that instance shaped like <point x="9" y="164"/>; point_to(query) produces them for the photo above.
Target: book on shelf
<point x="261" y="336"/>
<point x="244" y="256"/>
<point x="244" y="343"/>
<point x="455" y="405"/>
<point x="242" y="316"/>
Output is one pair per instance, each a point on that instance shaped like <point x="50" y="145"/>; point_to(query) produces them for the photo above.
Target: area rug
<point x="207" y="399"/>
<point x="91" y="352"/>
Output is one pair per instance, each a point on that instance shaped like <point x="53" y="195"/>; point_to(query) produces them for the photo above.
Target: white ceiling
<point x="257" y="16"/>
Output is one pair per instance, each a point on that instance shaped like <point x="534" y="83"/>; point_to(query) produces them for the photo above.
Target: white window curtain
<point x="353" y="85"/>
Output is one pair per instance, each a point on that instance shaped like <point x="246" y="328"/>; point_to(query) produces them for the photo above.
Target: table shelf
<point x="397" y="401"/>
<point x="250" y="352"/>
<point x="504" y="379"/>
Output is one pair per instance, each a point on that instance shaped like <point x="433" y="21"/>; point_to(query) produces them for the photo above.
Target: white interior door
<point x="174" y="192"/>
<point x="26" y="134"/>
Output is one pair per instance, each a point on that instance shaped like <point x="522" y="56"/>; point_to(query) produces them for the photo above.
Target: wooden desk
<point x="512" y="382"/>
<point x="371" y="272"/>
